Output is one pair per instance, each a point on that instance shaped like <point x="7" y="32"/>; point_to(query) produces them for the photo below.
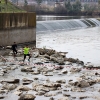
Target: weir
<point x="60" y="25"/>
<point x="17" y="27"/>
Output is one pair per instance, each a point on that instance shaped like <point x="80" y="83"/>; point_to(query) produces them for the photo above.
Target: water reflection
<point x="52" y="17"/>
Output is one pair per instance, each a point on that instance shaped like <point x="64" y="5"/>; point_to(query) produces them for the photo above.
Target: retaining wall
<point x="17" y="27"/>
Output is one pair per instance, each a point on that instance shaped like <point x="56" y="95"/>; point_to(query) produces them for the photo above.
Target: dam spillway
<point x="65" y="25"/>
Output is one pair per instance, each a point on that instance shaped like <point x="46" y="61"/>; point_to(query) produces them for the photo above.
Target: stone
<point x="75" y="70"/>
<point x="3" y="91"/>
<point x="83" y="84"/>
<point x="23" y="88"/>
<point x="64" y="71"/>
<point x="35" y="73"/>
<point x="51" y="98"/>
<point x="26" y="81"/>
<point x="65" y="94"/>
<point x="48" y="94"/>
<point x="48" y="74"/>
<point x="27" y="97"/>
<point x="61" y="81"/>
<point x="64" y="98"/>
<point x="26" y="70"/>
<point x="13" y="81"/>
<point x="2" y="97"/>
<point x="35" y="54"/>
<point x="18" y="92"/>
<point x="40" y="93"/>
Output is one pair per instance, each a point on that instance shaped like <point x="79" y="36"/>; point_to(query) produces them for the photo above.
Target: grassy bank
<point x="9" y="7"/>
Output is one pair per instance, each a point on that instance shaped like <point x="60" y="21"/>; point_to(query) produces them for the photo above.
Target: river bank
<point x="49" y="75"/>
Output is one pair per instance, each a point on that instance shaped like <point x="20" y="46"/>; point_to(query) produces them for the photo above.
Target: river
<point x="83" y="44"/>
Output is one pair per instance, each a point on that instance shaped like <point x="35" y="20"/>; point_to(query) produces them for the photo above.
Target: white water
<point x="83" y="44"/>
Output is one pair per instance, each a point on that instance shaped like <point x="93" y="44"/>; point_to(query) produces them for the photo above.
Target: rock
<point x="59" y="88"/>
<point x="26" y="70"/>
<point x="51" y="98"/>
<point x="39" y="87"/>
<point x="18" y="92"/>
<point x="14" y="67"/>
<point x="48" y="94"/>
<point x="34" y="85"/>
<point x="63" y="54"/>
<point x="2" y="97"/>
<point x="71" y="60"/>
<point x="53" y="59"/>
<point x="82" y="84"/>
<point x="75" y="70"/>
<point x="61" y="81"/>
<point x="35" y="73"/>
<point x="53" y="88"/>
<point x="60" y="60"/>
<point x="40" y="93"/>
<point x="80" y="62"/>
<point x="36" y="78"/>
<point x="12" y="87"/>
<point x="58" y="67"/>
<point x="77" y="61"/>
<point x="3" y="91"/>
<point x="92" y="82"/>
<point x="35" y="54"/>
<point x="23" y="88"/>
<point x="64" y="71"/>
<point x="13" y="81"/>
<point x="27" y="97"/>
<point x="39" y="63"/>
<point x="57" y="85"/>
<point x="47" y="56"/>
<point x="46" y="51"/>
<point x="66" y="94"/>
<point x="26" y="81"/>
<point x="21" y="64"/>
<point x="45" y="89"/>
<point x="83" y="97"/>
<point x="88" y="65"/>
<point x="64" y="98"/>
<point x="8" y="47"/>
<point x="48" y="74"/>
<point x="48" y="84"/>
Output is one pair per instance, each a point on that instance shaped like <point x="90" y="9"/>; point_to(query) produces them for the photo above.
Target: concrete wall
<point x="17" y="27"/>
<point x="7" y="37"/>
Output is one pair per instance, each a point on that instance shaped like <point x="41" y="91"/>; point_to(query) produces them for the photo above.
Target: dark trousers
<point x="27" y="55"/>
<point x="14" y="52"/>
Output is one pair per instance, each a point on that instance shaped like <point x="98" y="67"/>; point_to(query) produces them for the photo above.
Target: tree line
<point x="67" y="8"/>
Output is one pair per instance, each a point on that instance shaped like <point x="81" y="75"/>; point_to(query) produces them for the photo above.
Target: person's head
<point x="27" y="46"/>
<point x="14" y="42"/>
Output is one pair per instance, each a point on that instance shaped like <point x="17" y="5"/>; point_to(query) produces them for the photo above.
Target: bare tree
<point x="99" y="5"/>
<point x="39" y="2"/>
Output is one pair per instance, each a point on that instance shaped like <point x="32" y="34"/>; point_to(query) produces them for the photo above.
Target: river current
<point x="83" y="44"/>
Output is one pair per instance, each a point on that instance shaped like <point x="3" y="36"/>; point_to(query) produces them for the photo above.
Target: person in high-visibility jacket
<point x="26" y="52"/>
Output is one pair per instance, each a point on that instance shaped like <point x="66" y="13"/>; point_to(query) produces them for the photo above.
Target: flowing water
<point x="80" y="41"/>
